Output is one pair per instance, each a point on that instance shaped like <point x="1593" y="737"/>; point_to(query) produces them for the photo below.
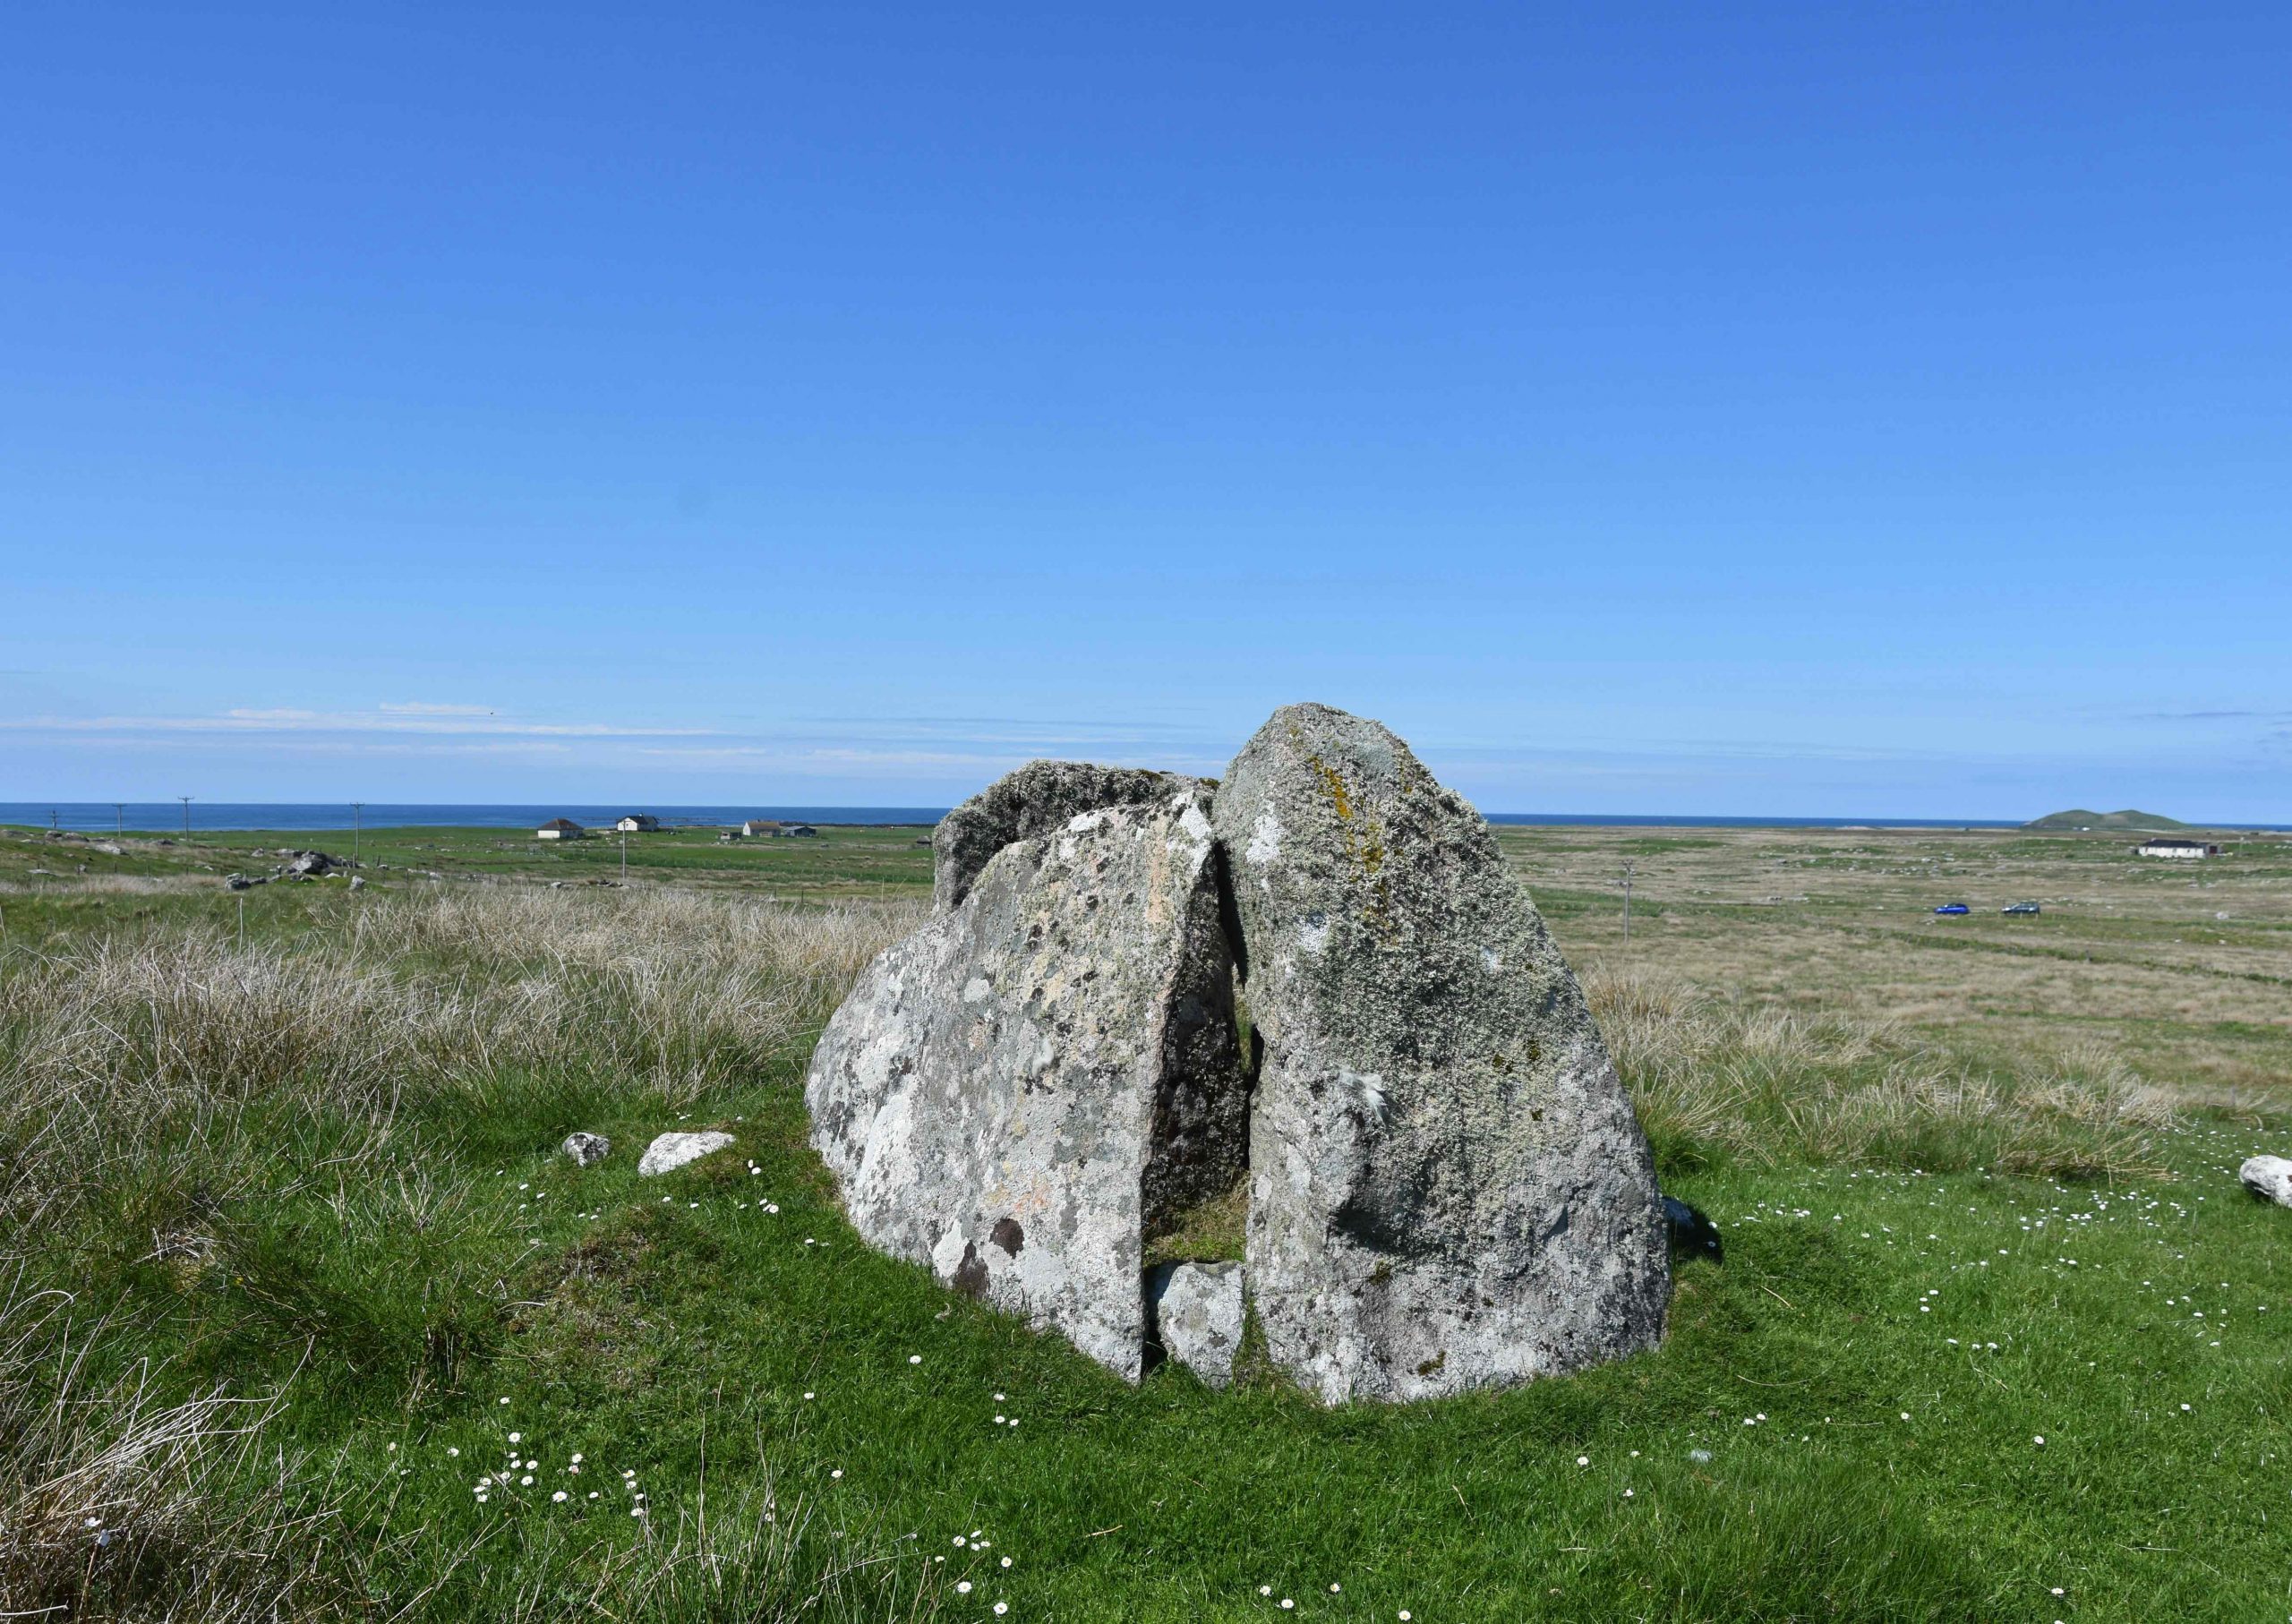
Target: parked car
<point x="1953" y="908"/>
<point x="2020" y="907"/>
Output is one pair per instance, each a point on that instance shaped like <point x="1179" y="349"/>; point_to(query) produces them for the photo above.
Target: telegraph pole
<point x="624" y="856"/>
<point x="119" y="811"/>
<point x="1627" y="902"/>
<point x="51" y="820"/>
<point x="357" y="824"/>
<point x="186" y="801"/>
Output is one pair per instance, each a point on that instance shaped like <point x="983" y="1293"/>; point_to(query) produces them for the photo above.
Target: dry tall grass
<point x="167" y="1034"/>
<point x="1715" y="1079"/>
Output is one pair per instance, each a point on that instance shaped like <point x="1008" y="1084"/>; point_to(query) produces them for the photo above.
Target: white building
<point x="2162" y="846"/>
<point x="639" y="823"/>
<point x="761" y="828"/>
<point x="560" y="828"/>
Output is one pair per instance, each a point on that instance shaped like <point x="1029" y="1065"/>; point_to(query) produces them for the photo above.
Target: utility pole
<point x="1627" y="902"/>
<point x="186" y="801"/>
<point x="51" y="820"/>
<point x="119" y="812"/>
<point x="624" y="856"/>
<point x="357" y="825"/>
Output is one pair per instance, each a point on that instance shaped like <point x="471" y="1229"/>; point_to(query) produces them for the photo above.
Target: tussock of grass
<point x="1715" y="1081"/>
<point x="115" y="1502"/>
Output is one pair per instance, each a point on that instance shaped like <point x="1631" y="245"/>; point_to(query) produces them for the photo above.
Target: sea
<point x="166" y="817"/>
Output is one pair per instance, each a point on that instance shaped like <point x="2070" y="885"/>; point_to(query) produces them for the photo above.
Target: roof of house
<point x="561" y="823"/>
<point x="2176" y="841"/>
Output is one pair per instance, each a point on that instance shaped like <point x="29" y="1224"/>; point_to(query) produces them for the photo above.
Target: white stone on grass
<point x="672" y="1150"/>
<point x="2269" y="1177"/>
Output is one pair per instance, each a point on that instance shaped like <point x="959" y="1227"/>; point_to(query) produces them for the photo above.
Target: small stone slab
<point x="673" y="1151"/>
<point x="1197" y="1314"/>
<point x="1020" y="1092"/>
<point x="586" y="1150"/>
<point x="2269" y="1177"/>
<point x="1039" y="797"/>
<point x="1447" y="1187"/>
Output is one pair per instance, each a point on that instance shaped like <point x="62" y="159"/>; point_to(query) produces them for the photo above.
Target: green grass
<point x="368" y="1221"/>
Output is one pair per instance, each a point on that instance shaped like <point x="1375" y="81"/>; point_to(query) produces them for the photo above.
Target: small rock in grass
<point x="1692" y="1234"/>
<point x="675" y="1149"/>
<point x="1196" y="1311"/>
<point x="2269" y="1177"/>
<point x="587" y="1150"/>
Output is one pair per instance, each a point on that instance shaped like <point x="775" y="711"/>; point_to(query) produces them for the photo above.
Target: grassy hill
<point x="2077" y="818"/>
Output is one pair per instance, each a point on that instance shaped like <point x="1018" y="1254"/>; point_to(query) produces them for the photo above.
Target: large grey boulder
<point x="1025" y="1090"/>
<point x="1447" y="1187"/>
<point x="2269" y="1177"/>
<point x="1038" y="798"/>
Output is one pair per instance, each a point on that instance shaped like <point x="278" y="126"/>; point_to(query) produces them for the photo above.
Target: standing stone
<point x="2269" y="1177"/>
<point x="1045" y="1075"/>
<point x="1447" y="1187"/>
<point x="1026" y="805"/>
<point x="1197" y="1313"/>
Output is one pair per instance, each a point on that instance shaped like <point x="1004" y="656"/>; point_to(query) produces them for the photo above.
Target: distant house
<point x="560" y="828"/>
<point x="2164" y="845"/>
<point x="639" y="823"/>
<point x="762" y="828"/>
<point x="798" y="832"/>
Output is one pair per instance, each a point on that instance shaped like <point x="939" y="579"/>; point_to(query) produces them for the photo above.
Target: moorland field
<point x="302" y="1317"/>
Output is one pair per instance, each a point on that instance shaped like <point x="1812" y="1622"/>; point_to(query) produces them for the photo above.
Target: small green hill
<point x="2079" y="819"/>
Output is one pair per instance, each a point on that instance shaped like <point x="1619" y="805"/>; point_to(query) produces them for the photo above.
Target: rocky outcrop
<point x="1045" y="1073"/>
<point x="1040" y="797"/>
<point x="1447" y="1187"/>
<point x="586" y="1150"/>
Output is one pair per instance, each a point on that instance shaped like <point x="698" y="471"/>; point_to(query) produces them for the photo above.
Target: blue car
<point x="1953" y="908"/>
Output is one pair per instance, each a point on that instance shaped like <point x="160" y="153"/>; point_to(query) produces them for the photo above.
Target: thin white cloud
<point x="258" y="721"/>
<point x="416" y="707"/>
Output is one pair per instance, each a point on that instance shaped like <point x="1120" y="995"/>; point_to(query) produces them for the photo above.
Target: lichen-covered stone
<point x="1447" y="1187"/>
<point x="586" y="1150"/>
<point x="1020" y="1092"/>
<point x="1038" y="798"/>
<point x="1197" y="1313"/>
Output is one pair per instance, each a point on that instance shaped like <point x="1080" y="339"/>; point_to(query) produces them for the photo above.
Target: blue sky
<point x="1835" y="410"/>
